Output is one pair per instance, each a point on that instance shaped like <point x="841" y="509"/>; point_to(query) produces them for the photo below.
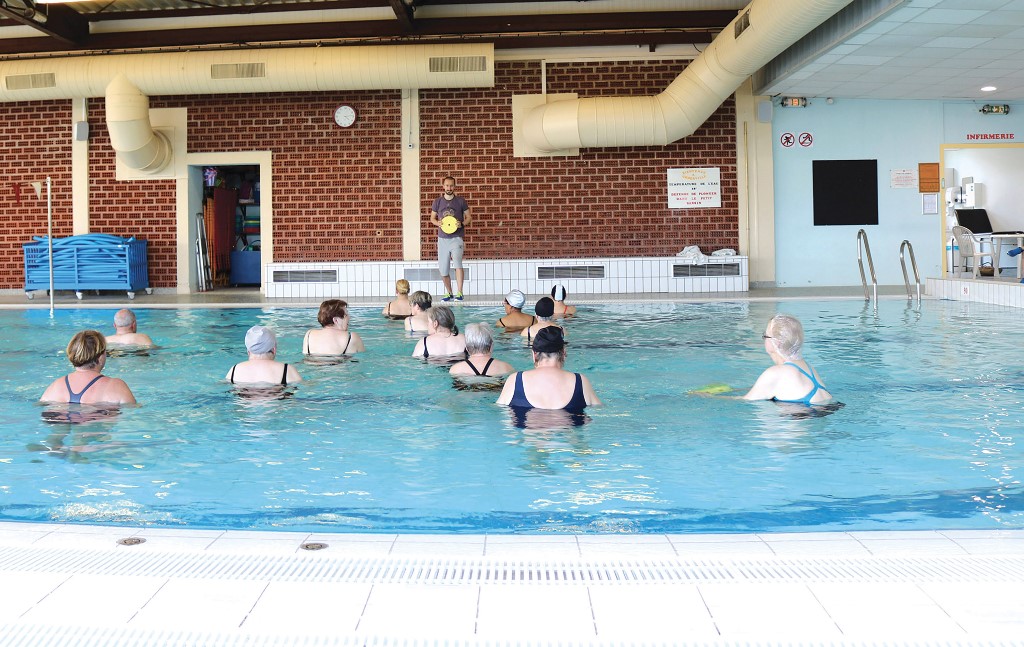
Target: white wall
<point x="899" y="134"/>
<point x="1000" y="170"/>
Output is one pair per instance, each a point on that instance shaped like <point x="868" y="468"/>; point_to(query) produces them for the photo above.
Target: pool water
<point x="386" y="443"/>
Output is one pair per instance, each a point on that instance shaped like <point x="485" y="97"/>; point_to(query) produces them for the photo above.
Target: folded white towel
<point x="724" y="252"/>
<point x="692" y="255"/>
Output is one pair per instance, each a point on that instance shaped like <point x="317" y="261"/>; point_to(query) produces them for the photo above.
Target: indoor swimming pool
<point x="386" y="443"/>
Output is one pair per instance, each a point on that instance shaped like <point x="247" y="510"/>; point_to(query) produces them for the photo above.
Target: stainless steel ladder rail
<point x="863" y="248"/>
<point x="906" y="246"/>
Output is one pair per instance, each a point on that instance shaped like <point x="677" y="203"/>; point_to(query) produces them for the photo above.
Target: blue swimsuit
<point x="76" y="398"/>
<point x="576" y="404"/>
<point x="810" y="376"/>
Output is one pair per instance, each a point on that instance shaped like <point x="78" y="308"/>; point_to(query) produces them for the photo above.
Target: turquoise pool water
<point x="384" y="443"/>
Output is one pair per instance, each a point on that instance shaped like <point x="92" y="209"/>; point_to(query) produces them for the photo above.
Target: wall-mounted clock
<point x="345" y="115"/>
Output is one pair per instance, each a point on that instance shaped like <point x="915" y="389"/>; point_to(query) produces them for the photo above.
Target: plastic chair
<point x="969" y="246"/>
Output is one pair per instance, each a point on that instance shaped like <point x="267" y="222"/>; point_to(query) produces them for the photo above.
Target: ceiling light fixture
<point x="989" y="88"/>
<point x="989" y="109"/>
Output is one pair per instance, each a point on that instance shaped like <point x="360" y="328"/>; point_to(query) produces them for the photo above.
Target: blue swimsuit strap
<point x="810" y="376"/>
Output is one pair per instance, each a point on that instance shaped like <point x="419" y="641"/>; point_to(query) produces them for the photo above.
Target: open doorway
<point x="231" y="211"/>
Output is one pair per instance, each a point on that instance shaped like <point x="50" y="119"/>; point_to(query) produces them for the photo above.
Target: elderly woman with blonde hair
<point x="87" y="352"/>
<point x="400" y="307"/>
<point x="791" y="378"/>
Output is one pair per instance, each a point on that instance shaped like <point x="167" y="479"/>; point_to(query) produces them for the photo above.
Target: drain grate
<point x="482" y="571"/>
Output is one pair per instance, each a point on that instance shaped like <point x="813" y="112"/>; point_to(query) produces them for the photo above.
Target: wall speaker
<point x="81" y="131"/>
<point x="764" y="111"/>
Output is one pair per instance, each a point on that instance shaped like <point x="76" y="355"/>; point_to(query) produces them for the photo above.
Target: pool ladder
<point x="906" y="246"/>
<point x="864" y="250"/>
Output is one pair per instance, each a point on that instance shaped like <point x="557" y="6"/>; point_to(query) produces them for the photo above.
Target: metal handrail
<point x="913" y="263"/>
<point x="862" y="236"/>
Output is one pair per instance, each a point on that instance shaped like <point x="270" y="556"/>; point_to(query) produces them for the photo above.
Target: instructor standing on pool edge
<point x="450" y="214"/>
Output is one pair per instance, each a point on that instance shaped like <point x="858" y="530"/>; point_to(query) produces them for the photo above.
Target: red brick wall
<point x="335" y="189"/>
<point x="605" y="202"/>
<point x="144" y="209"/>
<point x="35" y="142"/>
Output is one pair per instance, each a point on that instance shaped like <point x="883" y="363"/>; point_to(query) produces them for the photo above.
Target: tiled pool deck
<point x="73" y="585"/>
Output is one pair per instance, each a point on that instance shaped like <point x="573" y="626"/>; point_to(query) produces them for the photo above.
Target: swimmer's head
<point x="545" y="308"/>
<point x="787" y="335"/>
<point x="515" y="299"/>
<point x="443" y="317"/>
<point x="479" y="339"/>
<point x="421" y="299"/>
<point x="401" y="286"/>
<point x="124" y="318"/>
<point x="260" y="340"/>
<point x="85" y="348"/>
<point x="558" y="293"/>
<point x="549" y="342"/>
<point x="330" y="309"/>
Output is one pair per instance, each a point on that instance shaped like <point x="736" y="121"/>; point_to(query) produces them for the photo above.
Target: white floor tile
<point x="95" y="600"/>
<point x="653" y="613"/>
<point x="773" y="610"/>
<point x="20" y="591"/>
<point x="913" y="547"/>
<point x="207" y="604"/>
<point x="825" y="548"/>
<point x="418" y="609"/>
<point x="535" y="612"/>
<point x="983" y="609"/>
<point x="884" y="609"/>
<point x="317" y="607"/>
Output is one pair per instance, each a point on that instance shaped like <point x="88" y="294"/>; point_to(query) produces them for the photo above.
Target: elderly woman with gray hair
<point x="791" y="379"/>
<point x="479" y="342"/>
<point x="443" y="338"/>
<point x="262" y="366"/>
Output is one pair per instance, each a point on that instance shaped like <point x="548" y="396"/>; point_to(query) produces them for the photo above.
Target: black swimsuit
<point x="284" y="376"/>
<point x="426" y="353"/>
<point x="347" y="344"/>
<point x="486" y="366"/>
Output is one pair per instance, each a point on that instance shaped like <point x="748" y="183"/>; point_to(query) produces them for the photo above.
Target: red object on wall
<point x="222" y="243"/>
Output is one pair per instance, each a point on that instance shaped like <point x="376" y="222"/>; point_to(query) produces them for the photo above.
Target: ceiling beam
<point x="504" y="31"/>
<point x="403" y="12"/>
<point x="58" y="21"/>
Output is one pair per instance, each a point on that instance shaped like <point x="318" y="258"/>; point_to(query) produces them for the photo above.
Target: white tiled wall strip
<point x="496" y="277"/>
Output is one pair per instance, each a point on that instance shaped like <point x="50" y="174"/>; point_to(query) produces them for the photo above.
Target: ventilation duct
<point x="132" y="137"/>
<point x="768" y="28"/>
<point x="308" y="69"/>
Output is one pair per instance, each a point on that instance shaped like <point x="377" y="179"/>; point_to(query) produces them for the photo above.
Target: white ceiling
<point x="924" y="49"/>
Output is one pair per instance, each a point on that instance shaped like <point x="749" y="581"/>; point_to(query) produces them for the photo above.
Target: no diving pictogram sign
<point x="806" y="140"/>
<point x="787" y="140"/>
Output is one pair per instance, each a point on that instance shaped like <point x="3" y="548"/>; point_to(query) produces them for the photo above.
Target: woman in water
<point x="334" y="337"/>
<point x="479" y="342"/>
<point x="420" y="302"/>
<point x="545" y="310"/>
<point x="791" y="379"/>
<point x="548" y="385"/>
<point x="443" y="338"/>
<point x="87" y="352"/>
<point x="399" y="307"/>
<point x="262" y="366"/>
